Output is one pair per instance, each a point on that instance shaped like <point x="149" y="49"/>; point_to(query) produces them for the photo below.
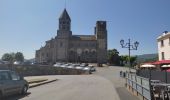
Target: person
<point x="120" y="73"/>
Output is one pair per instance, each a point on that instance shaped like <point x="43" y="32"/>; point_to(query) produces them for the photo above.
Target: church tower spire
<point x="65" y="21"/>
<point x="64" y="30"/>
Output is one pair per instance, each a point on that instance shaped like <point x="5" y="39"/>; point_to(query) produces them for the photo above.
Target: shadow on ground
<point x="123" y="94"/>
<point x="16" y="97"/>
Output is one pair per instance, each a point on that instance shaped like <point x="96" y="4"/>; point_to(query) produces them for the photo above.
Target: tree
<point x="11" y="57"/>
<point x="19" y="57"/>
<point x="123" y="60"/>
<point x="133" y="61"/>
<point x="113" y="57"/>
<point x="8" y="57"/>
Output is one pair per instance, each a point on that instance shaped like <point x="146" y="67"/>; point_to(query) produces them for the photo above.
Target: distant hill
<point x="147" y="58"/>
<point x="30" y="60"/>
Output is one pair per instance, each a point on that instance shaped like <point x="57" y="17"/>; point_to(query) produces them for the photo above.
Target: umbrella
<point x="147" y="65"/>
<point x="165" y="66"/>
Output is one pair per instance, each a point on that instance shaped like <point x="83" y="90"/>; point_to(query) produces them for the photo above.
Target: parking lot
<point x="83" y="66"/>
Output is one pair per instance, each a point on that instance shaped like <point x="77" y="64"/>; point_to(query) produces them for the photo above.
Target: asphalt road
<point x="112" y="73"/>
<point x="73" y="87"/>
<point x="105" y="84"/>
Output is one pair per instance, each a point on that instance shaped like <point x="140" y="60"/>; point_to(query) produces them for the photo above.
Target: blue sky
<point x="25" y="25"/>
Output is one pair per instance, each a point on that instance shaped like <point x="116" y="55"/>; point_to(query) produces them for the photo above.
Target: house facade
<point x="66" y="47"/>
<point x="164" y="46"/>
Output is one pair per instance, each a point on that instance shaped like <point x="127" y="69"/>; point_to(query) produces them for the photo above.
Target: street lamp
<point x="130" y="47"/>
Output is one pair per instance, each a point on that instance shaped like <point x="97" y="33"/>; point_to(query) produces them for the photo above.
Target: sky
<point x="25" y="25"/>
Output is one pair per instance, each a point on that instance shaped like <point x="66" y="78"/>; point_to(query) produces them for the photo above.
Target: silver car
<point x="12" y="83"/>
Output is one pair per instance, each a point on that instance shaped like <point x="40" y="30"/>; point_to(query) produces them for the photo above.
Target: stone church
<point x="66" y="47"/>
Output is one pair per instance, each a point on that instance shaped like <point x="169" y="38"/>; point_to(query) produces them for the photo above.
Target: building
<point x="164" y="46"/>
<point x="66" y="47"/>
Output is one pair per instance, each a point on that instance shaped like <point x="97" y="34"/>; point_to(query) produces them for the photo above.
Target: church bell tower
<point x="63" y="37"/>
<point x="64" y="25"/>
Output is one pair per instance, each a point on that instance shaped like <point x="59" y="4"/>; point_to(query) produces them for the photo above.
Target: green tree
<point x="19" y="57"/>
<point x="123" y="60"/>
<point x="8" y="57"/>
<point x="133" y="61"/>
<point x="113" y="57"/>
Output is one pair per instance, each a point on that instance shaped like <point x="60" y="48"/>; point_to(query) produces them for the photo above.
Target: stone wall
<point x="37" y="70"/>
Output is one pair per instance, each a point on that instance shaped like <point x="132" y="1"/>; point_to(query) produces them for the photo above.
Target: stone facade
<point x="66" y="47"/>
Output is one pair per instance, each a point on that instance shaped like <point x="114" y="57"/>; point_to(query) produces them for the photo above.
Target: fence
<point x="139" y="85"/>
<point x="163" y="76"/>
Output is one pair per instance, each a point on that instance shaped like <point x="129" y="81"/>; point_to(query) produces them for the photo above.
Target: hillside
<point x="147" y="58"/>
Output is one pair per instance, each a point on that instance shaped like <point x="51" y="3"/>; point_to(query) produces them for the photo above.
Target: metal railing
<point x="139" y="84"/>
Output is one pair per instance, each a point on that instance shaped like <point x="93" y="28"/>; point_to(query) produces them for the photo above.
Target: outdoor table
<point x="163" y="88"/>
<point x="155" y="81"/>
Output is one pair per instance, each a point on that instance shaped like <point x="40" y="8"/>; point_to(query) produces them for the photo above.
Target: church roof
<point x="65" y="15"/>
<point x="84" y="37"/>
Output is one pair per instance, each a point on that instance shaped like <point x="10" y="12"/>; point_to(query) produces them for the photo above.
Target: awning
<point x="168" y="70"/>
<point x="147" y="66"/>
<point x="164" y="66"/>
<point x="161" y="62"/>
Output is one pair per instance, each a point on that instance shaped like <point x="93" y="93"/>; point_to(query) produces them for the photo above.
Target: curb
<point x="42" y="83"/>
<point x="37" y="81"/>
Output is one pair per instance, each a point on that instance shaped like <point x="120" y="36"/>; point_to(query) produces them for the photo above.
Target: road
<point x="112" y="73"/>
<point x="73" y="87"/>
<point x="104" y="84"/>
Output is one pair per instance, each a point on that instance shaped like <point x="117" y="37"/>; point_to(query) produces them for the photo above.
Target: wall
<point x="36" y="70"/>
<point x="165" y="48"/>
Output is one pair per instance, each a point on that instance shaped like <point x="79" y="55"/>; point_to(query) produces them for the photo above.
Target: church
<point x="67" y="47"/>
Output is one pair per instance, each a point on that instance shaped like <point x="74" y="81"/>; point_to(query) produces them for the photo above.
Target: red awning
<point x="161" y="62"/>
<point x="168" y="70"/>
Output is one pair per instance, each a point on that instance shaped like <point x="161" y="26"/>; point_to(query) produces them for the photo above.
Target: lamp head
<point x="122" y="42"/>
<point x="136" y="44"/>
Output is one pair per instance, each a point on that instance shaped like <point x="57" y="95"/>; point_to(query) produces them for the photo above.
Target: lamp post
<point x="130" y="47"/>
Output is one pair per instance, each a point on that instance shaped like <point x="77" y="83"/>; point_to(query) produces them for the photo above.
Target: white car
<point x="57" y="64"/>
<point x="17" y="63"/>
<point x="86" y="68"/>
<point x="79" y="67"/>
<point x="72" y="66"/>
<point x="65" y="65"/>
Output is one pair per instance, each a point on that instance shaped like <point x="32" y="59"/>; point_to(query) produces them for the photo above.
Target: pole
<point x="129" y="54"/>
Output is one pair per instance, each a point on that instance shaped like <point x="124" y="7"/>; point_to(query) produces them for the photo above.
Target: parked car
<point x="92" y="68"/>
<point x="57" y="64"/>
<point x="72" y="66"/>
<point x="65" y="65"/>
<point x="12" y="83"/>
<point x="17" y="63"/>
<point x="79" y="67"/>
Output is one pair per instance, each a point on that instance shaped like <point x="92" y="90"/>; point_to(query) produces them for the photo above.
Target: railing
<point x="139" y="84"/>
